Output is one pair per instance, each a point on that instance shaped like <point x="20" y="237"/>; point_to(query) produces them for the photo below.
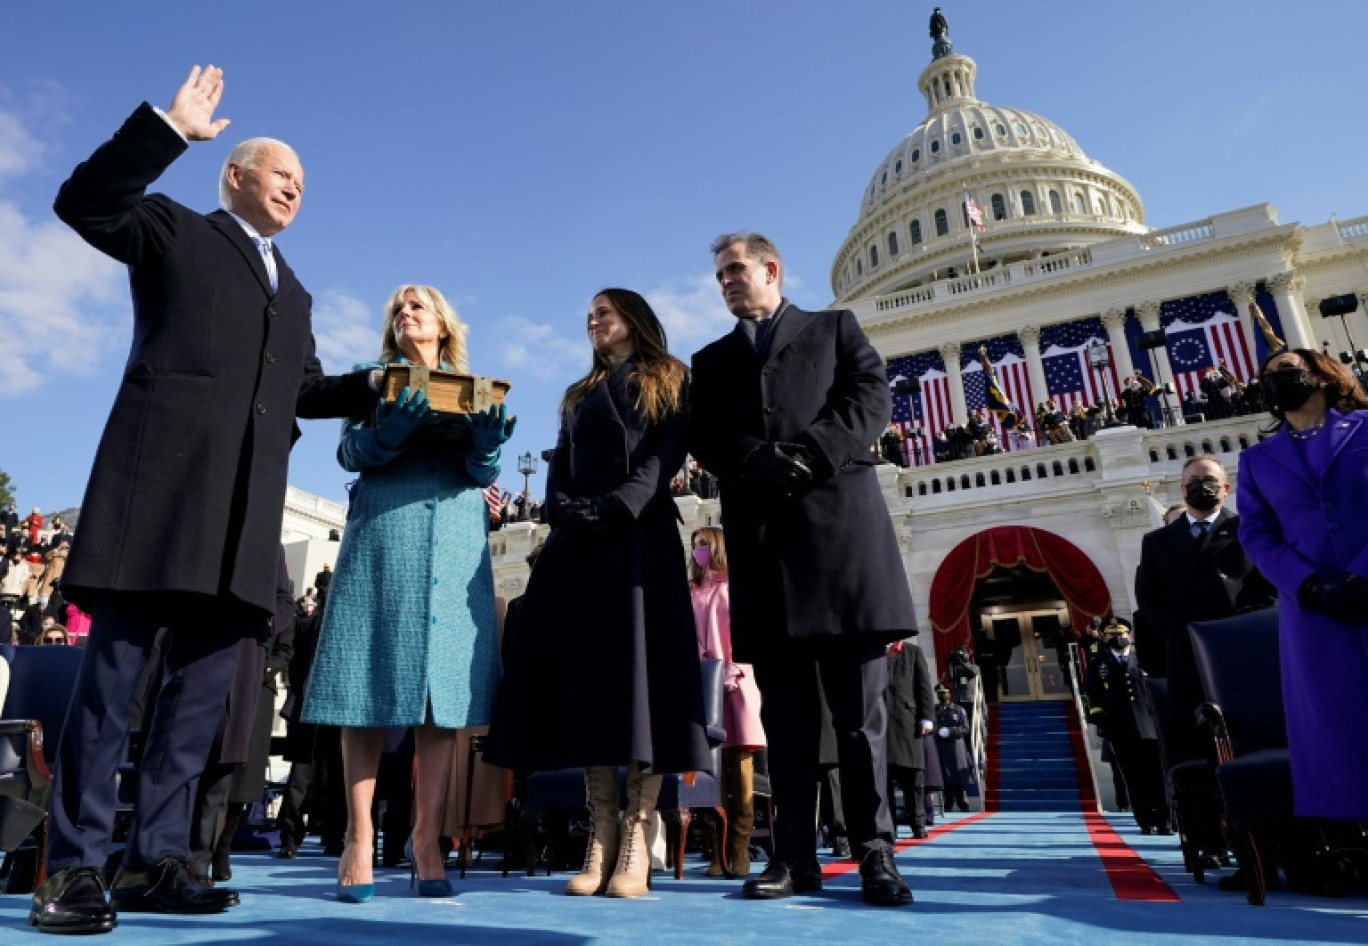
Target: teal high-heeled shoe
<point x="355" y="893"/>
<point x="426" y="888"/>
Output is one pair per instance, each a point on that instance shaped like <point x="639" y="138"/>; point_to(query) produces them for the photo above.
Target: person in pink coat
<point x="741" y="709"/>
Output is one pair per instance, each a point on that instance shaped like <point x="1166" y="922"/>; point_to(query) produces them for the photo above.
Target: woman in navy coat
<point x="605" y="669"/>
<point x="1303" y="496"/>
<point x="409" y="636"/>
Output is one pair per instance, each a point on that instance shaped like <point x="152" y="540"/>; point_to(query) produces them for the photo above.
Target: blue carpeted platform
<point x="1012" y="877"/>
<point x="1035" y="761"/>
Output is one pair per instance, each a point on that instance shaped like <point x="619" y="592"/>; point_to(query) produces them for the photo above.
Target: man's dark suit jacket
<point x="1182" y="579"/>
<point x="824" y="563"/>
<point x="188" y="485"/>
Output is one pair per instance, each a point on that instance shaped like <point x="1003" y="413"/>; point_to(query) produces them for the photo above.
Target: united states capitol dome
<point x="1039" y="193"/>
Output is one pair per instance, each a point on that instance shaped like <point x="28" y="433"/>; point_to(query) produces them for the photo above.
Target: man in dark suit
<point x="1120" y="709"/>
<point x="911" y="699"/>
<point x="182" y="512"/>
<point x="784" y="410"/>
<point x="1192" y="570"/>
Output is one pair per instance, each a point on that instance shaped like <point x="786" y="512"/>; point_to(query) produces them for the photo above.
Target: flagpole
<point x="973" y="243"/>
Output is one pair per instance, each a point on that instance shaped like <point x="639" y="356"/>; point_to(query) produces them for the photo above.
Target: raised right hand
<point x="396" y="420"/>
<point x="192" y="110"/>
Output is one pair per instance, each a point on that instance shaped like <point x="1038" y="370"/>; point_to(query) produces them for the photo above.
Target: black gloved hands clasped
<point x="586" y="515"/>
<point x="1343" y="597"/>
<point x="786" y="466"/>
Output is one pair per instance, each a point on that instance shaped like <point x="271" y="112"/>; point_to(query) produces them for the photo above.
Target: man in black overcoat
<point x="182" y="513"/>
<point x="1119" y="706"/>
<point x="784" y="410"/>
<point x="911" y="699"/>
<point x="1193" y="570"/>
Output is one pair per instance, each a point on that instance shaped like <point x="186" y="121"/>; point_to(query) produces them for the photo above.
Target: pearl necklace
<point x="1308" y="433"/>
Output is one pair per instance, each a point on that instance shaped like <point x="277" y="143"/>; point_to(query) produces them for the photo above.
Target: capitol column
<point x="1240" y="294"/>
<point x="1029" y="336"/>
<point x="1114" y="321"/>
<point x="1148" y="314"/>
<point x="1286" y="289"/>
<point x="959" y="411"/>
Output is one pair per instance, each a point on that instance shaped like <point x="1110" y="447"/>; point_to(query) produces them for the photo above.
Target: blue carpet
<point x="1035" y="761"/>
<point x="1012" y="877"/>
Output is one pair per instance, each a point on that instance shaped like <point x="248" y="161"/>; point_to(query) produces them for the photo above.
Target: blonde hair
<point x="717" y="548"/>
<point x="452" y="350"/>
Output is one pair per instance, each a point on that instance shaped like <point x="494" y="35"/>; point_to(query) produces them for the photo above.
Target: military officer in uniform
<point x="1119" y="707"/>
<point x="952" y="726"/>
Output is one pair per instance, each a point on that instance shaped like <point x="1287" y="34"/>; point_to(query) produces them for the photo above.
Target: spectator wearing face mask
<point x="1304" y="523"/>
<point x="1193" y="569"/>
<point x="1120" y="709"/>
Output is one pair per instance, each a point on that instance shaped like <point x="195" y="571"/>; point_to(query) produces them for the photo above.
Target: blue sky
<point x="521" y="156"/>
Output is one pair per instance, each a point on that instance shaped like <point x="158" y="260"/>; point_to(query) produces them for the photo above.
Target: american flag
<point x="1202" y="330"/>
<point x="1009" y="362"/>
<point x="493" y="498"/>
<point x="974" y="212"/>
<point x="929" y="409"/>
<point x="1069" y="378"/>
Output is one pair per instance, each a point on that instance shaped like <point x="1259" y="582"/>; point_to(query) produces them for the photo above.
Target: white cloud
<point x="63" y="305"/>
<point x="346" y="330"/>
<point x="541" y="351"/>
<point x="692" y="312"/>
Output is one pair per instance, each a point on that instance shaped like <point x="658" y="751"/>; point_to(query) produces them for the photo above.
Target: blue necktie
<point x="268" y="258"/>
<point x="1199" y="529"/>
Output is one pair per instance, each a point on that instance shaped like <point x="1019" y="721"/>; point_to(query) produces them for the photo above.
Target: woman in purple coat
<point x="1303" y="496"/>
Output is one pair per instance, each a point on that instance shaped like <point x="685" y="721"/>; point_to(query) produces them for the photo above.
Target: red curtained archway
<point x="1077" y="578"/>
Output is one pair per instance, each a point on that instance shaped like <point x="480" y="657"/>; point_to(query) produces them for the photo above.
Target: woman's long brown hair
<point x="657" y="377"/>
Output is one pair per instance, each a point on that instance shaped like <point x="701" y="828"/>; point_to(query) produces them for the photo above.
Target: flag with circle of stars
<point x="1201" y="332"/>
<point x="1069" y="377"/>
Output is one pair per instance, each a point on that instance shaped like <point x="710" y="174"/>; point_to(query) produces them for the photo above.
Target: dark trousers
<point x="200" y="659"/>
<point x="211" y="809"/>
<point x="1144" y="774"/>
<point x="852" y="678"/>
<point x="298" y="787"/>
<point x="830" y="810"/>
<point x="913" y="785"/>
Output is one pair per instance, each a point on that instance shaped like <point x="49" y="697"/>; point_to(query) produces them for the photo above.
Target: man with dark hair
<point x="221" y="363"/>
<point x="784" y="410"/>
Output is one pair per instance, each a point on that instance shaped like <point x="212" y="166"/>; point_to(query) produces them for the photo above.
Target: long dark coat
<point x="1304" y="511"/>
<point x="956" y="769"/>
<point x="188" y="485"/>
<point x="604" y="669"/>
<point x="1182" y="579"/>
<point x="911" y="698"/>
<point x="826" y="563"/>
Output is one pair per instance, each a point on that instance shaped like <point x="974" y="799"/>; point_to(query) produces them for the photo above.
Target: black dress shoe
<point x="288" y="850"/>
<point x="880" y="883"/>
<point x="840" y="847"/>
<point x="920" y="832"/>
<point x="1165" y="831"/>
<point x="72" y="901"/>
<point x="777" y="881"/>
<point x="1146" y="830"/>
<point x="168" y="886"/>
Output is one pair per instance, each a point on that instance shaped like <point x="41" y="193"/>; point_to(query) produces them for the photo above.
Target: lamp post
<point x="527" y="465"/>
<point x="1100" y="361"/>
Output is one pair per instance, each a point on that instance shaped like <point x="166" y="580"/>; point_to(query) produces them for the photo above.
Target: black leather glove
<point x="1343" y="597"/>
<point x="590" y="516"/>
<point x="786" y="466"/>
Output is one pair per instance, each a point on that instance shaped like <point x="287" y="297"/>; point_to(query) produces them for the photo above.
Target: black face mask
<point x="1287" y="388"/>
<point x="1202" y="496"/>
<point x="1119" y="643"/>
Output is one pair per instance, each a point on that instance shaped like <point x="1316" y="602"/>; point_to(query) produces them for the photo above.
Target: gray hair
<point x="1204" y="458"/>
<point x="245" y="155"/>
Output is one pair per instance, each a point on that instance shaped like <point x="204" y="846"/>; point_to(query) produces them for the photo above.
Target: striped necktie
<point x="267" y="257"/>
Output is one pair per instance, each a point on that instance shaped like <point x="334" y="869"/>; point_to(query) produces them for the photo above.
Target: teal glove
<point x="396" y="420"/>
<point x="489" y="429"/>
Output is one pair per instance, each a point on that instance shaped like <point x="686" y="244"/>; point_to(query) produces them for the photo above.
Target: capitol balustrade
<point x="1354" y="231"/>
<point x="1070" y="467"/>
<point x="1013" y="274"/>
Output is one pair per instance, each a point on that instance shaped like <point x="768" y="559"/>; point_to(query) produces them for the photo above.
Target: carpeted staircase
<point x="1031" y="759"/>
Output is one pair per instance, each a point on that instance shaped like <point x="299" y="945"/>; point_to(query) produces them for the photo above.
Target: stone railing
<point x="1356" y="229"/>
<point x="1179" y="236"/>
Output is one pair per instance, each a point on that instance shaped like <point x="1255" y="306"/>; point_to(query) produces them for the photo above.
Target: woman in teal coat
<point x="409" y="634"/>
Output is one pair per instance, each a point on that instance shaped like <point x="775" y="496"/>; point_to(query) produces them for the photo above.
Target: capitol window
<point x="956" y="138"/>
<point x="859" y="267"/>
<point x="942" y="223"/>
<point x="935" y="146"/>
<point x="1055" y="205"/>
<point x="916" y="155"/>
<point x="883" y="180"/>
<point x="1078" y="205"/>
<point x="978" y="133"/>
<point x="892" y="245"/>
<point x="1001" y="129"/>
<point x="1020" y="129"/>
<point x="999" y="207"/>
<point x="873" y="257"/>
<point x="897" y="168"/>
<point x="1027" y="204"/>
<point x="916" y="231"/>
